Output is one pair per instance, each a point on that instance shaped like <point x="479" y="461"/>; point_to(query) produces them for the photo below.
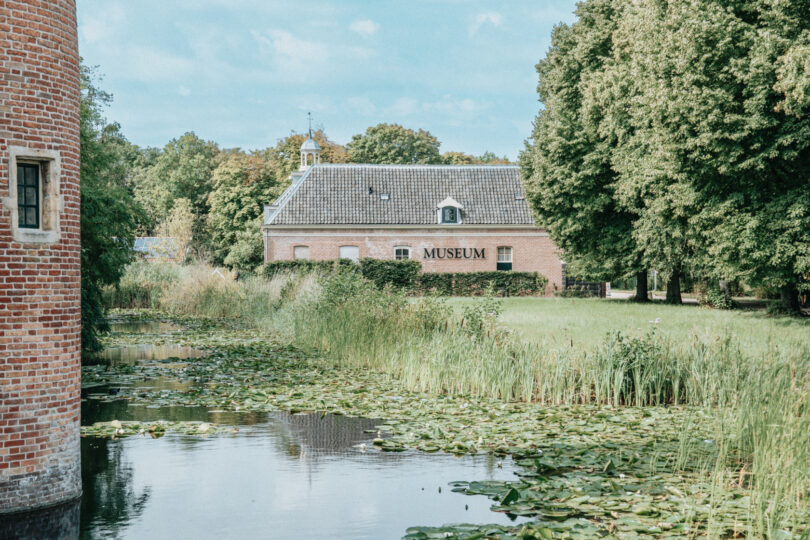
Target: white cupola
<point x="310" y="150"/>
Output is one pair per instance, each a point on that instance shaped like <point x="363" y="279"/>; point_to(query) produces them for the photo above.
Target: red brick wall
<point x="532" y="249"/>
<point x="40" y="283"/>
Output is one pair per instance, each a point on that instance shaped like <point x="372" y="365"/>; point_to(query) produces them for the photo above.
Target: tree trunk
<point x="674" y="288"/>
<point x="789" y="298"/>
<point x="641" y="287"/>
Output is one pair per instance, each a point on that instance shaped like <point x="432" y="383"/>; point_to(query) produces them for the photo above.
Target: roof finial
<point x="309" y="117"/>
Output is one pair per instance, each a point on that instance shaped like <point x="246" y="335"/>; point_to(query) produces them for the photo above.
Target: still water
<point x="284" y="476"/>
<point x="275" y="475"/>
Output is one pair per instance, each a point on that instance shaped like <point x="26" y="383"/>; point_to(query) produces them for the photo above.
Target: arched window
<point x="504" y="258"/>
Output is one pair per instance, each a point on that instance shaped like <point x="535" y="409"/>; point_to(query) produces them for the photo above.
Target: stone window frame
<point x="51" y="202"/>
<point x="405" y="248"/>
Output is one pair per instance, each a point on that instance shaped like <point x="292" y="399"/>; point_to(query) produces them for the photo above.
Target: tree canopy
<point x="394" y="144"/>
<point x="689" y="121"/>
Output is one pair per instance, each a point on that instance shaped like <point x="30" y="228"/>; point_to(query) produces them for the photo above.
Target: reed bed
<point x="761" y="399"/>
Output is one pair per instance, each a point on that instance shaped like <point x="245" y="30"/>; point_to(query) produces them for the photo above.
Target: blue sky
<point x="244" y="73"/>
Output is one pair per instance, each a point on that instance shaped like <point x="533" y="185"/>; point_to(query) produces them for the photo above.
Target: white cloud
<point x="364" y="27"/>
<point x="296" y="59"/>
<point x="490" y="17"/>
<point x="184" y="91"/>
<point x="103" y="24"/>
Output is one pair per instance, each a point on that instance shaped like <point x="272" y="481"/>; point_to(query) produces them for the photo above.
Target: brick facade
<point x="532" y="249"/>
<point x="40" y="310"/>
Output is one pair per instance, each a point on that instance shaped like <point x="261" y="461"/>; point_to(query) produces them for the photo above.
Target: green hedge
<point x="303" y="265"/>
<point x="407" y="275"/>
<point x="402" y="274"/>
<point x="510" y="283"/>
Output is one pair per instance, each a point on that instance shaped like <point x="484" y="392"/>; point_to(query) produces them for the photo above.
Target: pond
<point x="278" y="476"/>
<point x="268" y="475"/>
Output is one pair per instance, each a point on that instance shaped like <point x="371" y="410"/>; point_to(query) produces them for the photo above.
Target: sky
<point x="244" y="73"/>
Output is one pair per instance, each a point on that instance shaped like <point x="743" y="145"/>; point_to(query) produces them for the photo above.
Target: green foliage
<point x="141" y="285"/>
<point x="716" y="298"/>
<point x="477" y="283"/>
<point x="460" y="158"/>
<point x="567" y="165"/>
<point x="402" y="274"/>
<point x="183" y="169"/>
<point x="243" y="184"/>
<point x="436" y="283"/>
<point x="406" y="275"/>
<point x="287" y="153"/>
<point x="674" y="136"/>
<point x="394" y="144"/>
<point x="109" y="214"/>
<point x="305" y="266"/>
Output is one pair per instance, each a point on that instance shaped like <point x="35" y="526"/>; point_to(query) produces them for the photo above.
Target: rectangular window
<point x="449" y="215"/>
<point x="349" y="252"/>
<point x="402" y="253"/>
<point x="28" y="195"/>
<point x="504" y="258"/>
<point x="301" y="252"/>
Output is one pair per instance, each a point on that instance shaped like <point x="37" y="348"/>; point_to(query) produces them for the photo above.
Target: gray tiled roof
<point x="340" y="195"/>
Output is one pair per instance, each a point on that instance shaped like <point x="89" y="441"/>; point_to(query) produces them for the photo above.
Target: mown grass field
<point x="586" y="322"/>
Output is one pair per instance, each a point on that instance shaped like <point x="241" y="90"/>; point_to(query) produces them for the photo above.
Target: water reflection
<point x="289" y="476"/>
<point x="109" y="498"/>
<point x="133" y="354"/>
<point x="143" y="327"/>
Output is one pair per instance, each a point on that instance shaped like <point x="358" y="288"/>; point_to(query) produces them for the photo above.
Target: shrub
<point x="303" y="266"/>
<point x="716" y="298"/>
<point x="141" y="285"/>
<point x="400" y="274"/>
<point x="436" y="283"/>
<point x="405" y="275"/>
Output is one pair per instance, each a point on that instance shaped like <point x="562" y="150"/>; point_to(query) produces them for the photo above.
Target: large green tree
<point x="568" y="163"/>
<point x="243" y="184"/>
<point x="722" y="136"/>
<point x="109" y="213"/>
<point x="394" y="144"/>
<point x="183" y="169"/>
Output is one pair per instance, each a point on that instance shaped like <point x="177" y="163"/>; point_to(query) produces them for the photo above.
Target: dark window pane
<point x="30" y="195"/>
<point x="31" y="216"/>
<point x="20" y="197"/>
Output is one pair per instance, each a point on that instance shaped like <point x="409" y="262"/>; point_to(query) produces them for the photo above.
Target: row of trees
<point x="676" y="136"/>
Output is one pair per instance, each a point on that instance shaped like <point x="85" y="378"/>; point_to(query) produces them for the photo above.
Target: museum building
<point x="451" y="218"/>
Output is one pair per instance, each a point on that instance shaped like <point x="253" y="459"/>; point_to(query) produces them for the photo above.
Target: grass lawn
<point x="585" y="322"/>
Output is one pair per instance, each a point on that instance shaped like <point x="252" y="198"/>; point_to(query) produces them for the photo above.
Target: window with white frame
<point x="504" y="258"/>
<point x="349" y="252"/>
<point x="450" y="214"/>
<point x="402" y="252"/>
<point x="301" y="252"/>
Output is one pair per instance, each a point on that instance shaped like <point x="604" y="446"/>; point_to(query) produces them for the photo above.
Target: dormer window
<point x="450" y="211"/>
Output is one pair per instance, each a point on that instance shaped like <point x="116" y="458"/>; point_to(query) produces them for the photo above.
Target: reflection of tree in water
<point x="109" y="501"/>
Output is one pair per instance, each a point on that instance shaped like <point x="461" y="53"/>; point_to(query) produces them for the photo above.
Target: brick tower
<point x="40" y="310"/>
